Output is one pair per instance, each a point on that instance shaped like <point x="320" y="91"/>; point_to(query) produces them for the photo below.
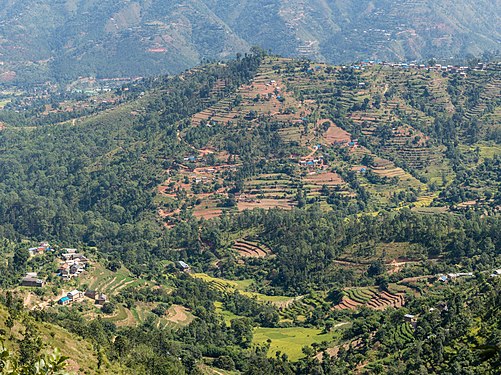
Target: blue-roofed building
<point x="64" y="301"/>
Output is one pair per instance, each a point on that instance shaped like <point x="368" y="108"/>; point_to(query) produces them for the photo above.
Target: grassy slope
<point x="83" y="358"/>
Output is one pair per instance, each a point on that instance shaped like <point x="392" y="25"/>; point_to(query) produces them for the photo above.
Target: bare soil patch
<point x="335" y="134"/>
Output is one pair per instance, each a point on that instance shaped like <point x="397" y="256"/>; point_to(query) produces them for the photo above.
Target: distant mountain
<point x="69" y="38"/>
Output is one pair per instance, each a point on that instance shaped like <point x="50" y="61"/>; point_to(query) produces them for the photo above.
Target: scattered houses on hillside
<point x="70" y="297"/>
<point x="40" y="249"/>
<point x="75" y="295"/>
<point x="73" y="264"/>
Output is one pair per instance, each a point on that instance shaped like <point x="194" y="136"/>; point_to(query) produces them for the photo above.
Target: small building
<point x="64" y="301"/>
<point x="442" y="278"/>
<point x="40" y="249"/>
<point x="33" y="251"/>
<point x="496" y="273"/>
<point x="71" y="268"/>
<point x="75" y="295"/>
<point x="32" y="282"/>
<point x="73" y="256"/>
<point x="90" y="294"/>
<point x="98" y="298"/>
<point x="453" y="276"/>
<point x="101" y="299"/>
<point x="412" y="319"/>
<point x="183" y="266"/>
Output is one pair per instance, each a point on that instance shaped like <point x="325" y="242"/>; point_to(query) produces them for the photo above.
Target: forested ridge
<point x="263" y="215"/>
<point x="102" y="172"/>
<point x="125" y="39"/>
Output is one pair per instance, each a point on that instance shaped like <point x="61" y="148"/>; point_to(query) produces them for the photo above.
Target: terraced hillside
<point x="251" y="249"/>
<point x="378" y="300"/>
<point x="301" y="133"/>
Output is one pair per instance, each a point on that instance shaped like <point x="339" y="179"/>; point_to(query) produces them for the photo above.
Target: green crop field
<point x="291" y="340"/>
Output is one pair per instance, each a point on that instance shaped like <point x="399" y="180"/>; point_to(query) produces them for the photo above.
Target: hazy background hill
<point x="65" y="39"/>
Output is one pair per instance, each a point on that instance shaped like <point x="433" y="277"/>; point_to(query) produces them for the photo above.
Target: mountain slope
<point x="66" y="39"/>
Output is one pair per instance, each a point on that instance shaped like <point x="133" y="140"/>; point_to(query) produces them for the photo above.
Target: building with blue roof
<point x="64" y="301"/>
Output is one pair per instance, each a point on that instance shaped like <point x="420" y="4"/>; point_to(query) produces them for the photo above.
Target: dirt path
<point x="123" y="286"/>
<point x="105" y="286"/>
<point x="128" y="321"/>
<point x="399" y="266"/>
<point x="313" y="152"/>
<point x="286" y="304"/>
<point x="27" y="300"/>
<point x="414" y="279"/>
<point x="349" y="263"/>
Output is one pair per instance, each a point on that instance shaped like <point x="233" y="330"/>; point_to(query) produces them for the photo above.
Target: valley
<point x="261" y="215"/>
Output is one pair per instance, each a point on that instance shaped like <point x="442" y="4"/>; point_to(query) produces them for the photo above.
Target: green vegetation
<point x="259" y="206"/>
<point x="116" y="39"/>
<point x="290" y="341"/>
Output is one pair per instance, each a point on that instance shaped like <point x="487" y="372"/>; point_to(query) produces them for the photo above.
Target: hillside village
<point x="384" y="140"/>
<point x="71" y="264"/>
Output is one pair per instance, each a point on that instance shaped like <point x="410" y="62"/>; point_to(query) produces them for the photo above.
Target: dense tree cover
<point x="151" y="350"/>
<point x="263" y="314"/>
<point x="94" y="182"/>
<point x="32" y="356"/>
<point x="16" y="262"/>
<point x="49" y="364"/>
<point x="307" y="241"/>
<point x="19" y="112"/>
<point x="486" y="175"/>
<point x="457" y="332"/>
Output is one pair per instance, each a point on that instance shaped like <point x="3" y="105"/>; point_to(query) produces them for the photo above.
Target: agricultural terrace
<point x="370" y="297"/>
<point x="332" y="120"/>
<point x="291" y="340"/>
<point x="112" y="283"/>
<point x="242" y="286"/>
<point x="249" y="249"/>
